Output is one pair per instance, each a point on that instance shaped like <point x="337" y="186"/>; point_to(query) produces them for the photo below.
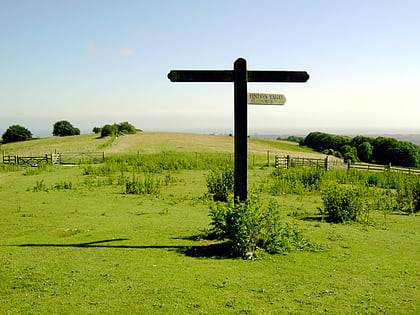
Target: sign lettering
<point x="266" y="99"/>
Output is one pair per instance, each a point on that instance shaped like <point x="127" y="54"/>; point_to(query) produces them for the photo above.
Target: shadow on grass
<point x="216" y="251"/>
<point x="314" y="218"/>
<point x="97" y="244"/>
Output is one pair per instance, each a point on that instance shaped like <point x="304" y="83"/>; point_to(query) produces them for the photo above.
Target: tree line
<point x="64" y="128"/>
<point x="380" y="150"/>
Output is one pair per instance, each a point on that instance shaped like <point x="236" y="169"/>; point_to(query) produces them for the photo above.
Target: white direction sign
<point x="266" y="99"/>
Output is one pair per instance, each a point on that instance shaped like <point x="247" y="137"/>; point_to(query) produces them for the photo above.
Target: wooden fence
<point x="55" y="158"/>
<point x="286" y="161"/>
<point x="381" y="168"/>
<point x="33" y="161"/>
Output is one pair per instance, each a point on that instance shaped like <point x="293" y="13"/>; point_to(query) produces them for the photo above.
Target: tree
<point x="16" y="133"/>
<point x="96" y="129"/>
<point x="126" y="128"/>
<point x="364" y="151"/>
<point x="64" y="128"/>
<point x="109" y="130"/>
<point x="390" y="150"/>
<point x="358" y="140"/>
<point x="118" y="129"/>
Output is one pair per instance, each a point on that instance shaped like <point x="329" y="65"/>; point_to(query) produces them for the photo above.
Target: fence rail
<point x="286" y="161"/>
<point x="381" y="168"/>
<point x="55" y="158"/>
<point x="28" y="160"/>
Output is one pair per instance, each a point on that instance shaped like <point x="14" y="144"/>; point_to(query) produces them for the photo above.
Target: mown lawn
<point x="93" y="249"/>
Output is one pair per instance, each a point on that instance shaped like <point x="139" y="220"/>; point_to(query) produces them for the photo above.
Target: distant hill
<point x="150" y="142"/>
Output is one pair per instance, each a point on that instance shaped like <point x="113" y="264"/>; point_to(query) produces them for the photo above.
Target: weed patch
<point x="220" y="183"/>
<point x="342" y="204"/>
<point x="149" y="185"/>
<point x="251" y="226"/>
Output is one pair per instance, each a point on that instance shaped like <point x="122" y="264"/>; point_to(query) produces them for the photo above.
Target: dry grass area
<point x="150" y="142"/>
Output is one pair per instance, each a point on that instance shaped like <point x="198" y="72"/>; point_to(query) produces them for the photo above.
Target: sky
<point x="97" y="62"/>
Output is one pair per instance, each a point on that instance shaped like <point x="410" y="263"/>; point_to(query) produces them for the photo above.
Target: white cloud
<point x="126" y="51"/>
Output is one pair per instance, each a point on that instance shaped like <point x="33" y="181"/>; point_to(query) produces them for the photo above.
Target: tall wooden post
<point x="241" y="129"/>
<point x="240" y="76"/>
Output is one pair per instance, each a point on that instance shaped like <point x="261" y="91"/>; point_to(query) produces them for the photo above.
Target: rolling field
<point x="73" y="242"/>
<point x="151" y="142"/>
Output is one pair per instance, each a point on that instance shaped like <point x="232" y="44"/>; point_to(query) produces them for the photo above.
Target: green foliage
<point x="408" y="196"/>
<point x="109" y="130"/>
<point x="342" y="204"/>
<point x="381" y="150"/>
<point x="358" y="140"/>
<point x="149" y="185"/>
<point x="349" y="153"/>
<point x="96" y="129"/>
<point x="64" y="128"/>
<point x="365" y="151"/>
<point x="159" y="162"/>
<point x="16" y="133"/>
<point x="63" y="185"/>
<point x="320" y="141"/>
<point x="220" y="183"/>
<point x="250" y="226"/>
<point x="39" y="186"/>
<point x="295" y="180"/>
<point x="126" y="128"/>
<point x="117" y="129"/>
<point x="389" y="150"/>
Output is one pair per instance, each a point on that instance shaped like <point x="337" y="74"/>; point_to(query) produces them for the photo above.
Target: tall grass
<point x="391" y="190"/>
<point x="159" y="162"/>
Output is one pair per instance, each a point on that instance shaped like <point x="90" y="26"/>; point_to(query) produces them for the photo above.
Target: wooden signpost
<point x="240" y="76"/>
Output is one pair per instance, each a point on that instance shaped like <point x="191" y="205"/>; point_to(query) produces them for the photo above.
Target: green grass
<point x="93" y="249"/>
<point x="284" y="145"/>
<point x="83" y="143"/>
<point x="147" y="142"/>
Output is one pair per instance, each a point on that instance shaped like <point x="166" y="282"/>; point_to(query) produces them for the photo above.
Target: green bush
<point x="149" y="185"/>
<point x="250" y="226"/>
<point x="295" y="180"/>
<point x="342" y="204"/>
<point x="408" y="196"/>
<point x="220" y="183"/>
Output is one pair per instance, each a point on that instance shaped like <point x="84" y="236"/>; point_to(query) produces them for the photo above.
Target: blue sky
<point x="94" y="62"/>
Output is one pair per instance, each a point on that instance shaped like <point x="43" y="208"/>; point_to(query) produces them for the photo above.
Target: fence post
<point x="327" y="167"/>
<point x="196" y="159"/>
<point x="288" y="161"/>
<point x="268" y="158"/>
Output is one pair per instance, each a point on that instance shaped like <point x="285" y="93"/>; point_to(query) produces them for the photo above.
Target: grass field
<point x="73" y="243"/>
<point x="151" y="142"/>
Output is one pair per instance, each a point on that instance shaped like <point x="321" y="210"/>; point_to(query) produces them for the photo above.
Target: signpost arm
<point x="240" y="129"/>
